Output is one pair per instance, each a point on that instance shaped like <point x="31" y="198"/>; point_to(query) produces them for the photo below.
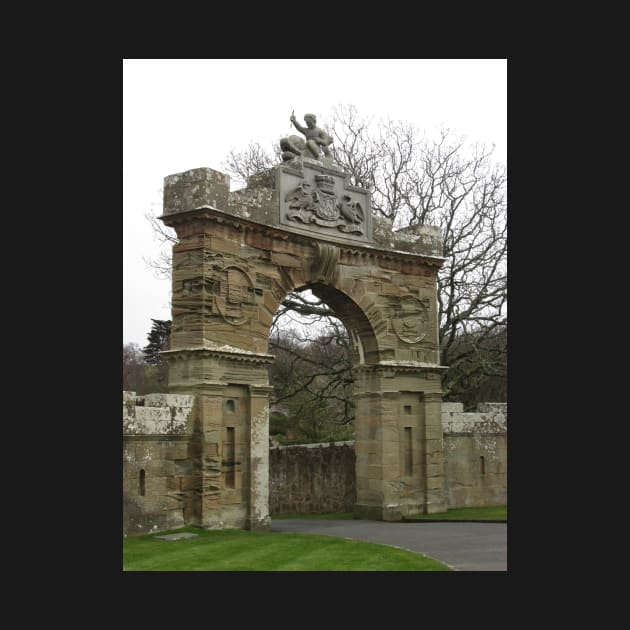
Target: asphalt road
<point x="461" y="546"/>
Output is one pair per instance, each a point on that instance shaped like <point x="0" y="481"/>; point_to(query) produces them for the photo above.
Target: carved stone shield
<point x="236" y="301"/>
<point x="327" y="207"/>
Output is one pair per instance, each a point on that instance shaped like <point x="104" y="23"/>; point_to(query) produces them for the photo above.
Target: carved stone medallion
<point x="236" y="301"/>
<point x="409" y="319"/>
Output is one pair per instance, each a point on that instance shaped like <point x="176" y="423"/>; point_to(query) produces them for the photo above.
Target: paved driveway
<point x="461" y="546"/>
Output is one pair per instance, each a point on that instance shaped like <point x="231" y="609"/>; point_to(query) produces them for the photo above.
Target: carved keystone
<point x="195" y="188"/>
<point x="324" y="265"/>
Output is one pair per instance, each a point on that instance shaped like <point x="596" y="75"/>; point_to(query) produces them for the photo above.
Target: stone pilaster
<point x="368" y="452"/>
<point x="259" y="457"/>
<point x="210" y="398"/>
<point x="434" y="475"/>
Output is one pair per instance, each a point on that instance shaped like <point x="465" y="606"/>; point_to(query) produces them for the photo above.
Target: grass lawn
<point x="240" y="550"/>
<point x="493" y="513"/>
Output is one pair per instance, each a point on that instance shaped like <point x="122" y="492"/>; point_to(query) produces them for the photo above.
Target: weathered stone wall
<point x="159" y="439"/>
<point x="475" y="455"/>
<point x="319" y="478"/>
<point x="160" y="462"/>
<point x="312" y="479"/>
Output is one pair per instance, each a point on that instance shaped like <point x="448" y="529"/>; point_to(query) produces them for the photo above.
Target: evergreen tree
<point x="158" y="338"/>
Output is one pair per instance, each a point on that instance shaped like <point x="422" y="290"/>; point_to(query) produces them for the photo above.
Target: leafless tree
<point x="254" y="159"/>
<point x="312" y="377"/>
<point x="133" y="368"/>
<point x="416" y="181"/>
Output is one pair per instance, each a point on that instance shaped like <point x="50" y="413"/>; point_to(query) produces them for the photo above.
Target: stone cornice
<point x="210" y="213"/>
<point x="224" y="352"/>
<point x="261" y="391"/>
<point x="433" y="397"/>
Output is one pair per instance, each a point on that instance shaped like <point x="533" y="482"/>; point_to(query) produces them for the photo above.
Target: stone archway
<point x="239" y="254"/>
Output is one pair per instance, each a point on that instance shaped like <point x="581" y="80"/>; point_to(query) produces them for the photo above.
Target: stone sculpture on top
<point x="317" y="141"/>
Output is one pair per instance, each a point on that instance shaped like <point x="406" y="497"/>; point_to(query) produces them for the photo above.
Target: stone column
<point x="259" y="458"/>
<point x="434" y="475"/>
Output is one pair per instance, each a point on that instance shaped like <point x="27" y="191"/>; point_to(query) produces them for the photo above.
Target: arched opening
<point x="318" y="335"/>
<point x="355" y="321"/>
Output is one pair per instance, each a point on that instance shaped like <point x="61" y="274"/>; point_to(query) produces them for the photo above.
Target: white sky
<point x="180" y="114"/>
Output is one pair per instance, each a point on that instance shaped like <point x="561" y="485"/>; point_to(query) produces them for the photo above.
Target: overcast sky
<point x="180" y="114"/>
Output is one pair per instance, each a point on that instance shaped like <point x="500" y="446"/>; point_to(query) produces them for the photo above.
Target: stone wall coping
<point x="314" y="445"/>
<point x="159" y="399"/>
<point x="488" y="419"/>
<point x="412" y="364"/>
<point x="160" y="418"/>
